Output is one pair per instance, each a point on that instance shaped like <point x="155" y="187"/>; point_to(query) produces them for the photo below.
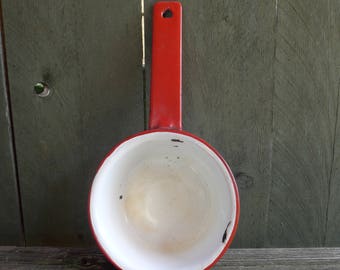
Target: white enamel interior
<point x="162" y="201"/>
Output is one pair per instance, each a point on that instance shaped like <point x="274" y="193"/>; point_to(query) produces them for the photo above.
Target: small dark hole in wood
<point x="167" y="13"/>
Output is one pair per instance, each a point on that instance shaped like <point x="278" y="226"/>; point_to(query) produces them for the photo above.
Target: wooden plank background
<point x="89" y="53"/>
<point x="261" y="83"/>
<point x="10" y="221"/>
<point x="333" y="214"/>
<point x="304" y="120"/>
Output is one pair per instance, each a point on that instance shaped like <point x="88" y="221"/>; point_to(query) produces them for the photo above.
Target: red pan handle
<point x="166" y="67"/>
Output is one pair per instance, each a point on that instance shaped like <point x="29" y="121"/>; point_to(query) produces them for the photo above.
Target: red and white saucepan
<point x="164" y="199"/>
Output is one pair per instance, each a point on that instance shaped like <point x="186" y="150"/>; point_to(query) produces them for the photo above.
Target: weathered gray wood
<point x="235" y="259"/>
<point x="89" y="52"/>
<point x="304" y="116"/>
<point x="333" y="216"/>
<point x="228" y="48"/>
<point x="10" y="221"/>
<point x="52" y="258"/>
<point x="284" y="258"/>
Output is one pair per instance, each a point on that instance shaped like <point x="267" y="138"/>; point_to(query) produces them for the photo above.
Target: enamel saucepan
<point x="164" y="199"/>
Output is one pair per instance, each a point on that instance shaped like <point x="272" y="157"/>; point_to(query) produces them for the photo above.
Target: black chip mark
<point x="176" y="140"/>
<point x="175" y="145"/>
<point x="120" y="197"/>
<point x="224" y="237"/>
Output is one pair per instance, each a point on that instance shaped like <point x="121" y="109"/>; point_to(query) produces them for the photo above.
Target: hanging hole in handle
<point x="167" y="13"/>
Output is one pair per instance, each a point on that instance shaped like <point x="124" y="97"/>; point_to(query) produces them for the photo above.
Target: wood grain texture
<point x="52" y="258"/>
<point x="333" y="215"/>
<point x="304" y="116"/>
<point x="228" y="47"/>
<point x="89" y="52"/>
<point x="234" y="259"/>
<point x="10" y="221"/>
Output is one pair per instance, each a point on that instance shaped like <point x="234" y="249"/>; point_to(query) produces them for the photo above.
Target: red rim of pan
<point x="216" y="153"/>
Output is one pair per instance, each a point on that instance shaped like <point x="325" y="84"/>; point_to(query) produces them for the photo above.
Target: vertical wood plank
<point x="304" y="116"/>
<point x="89" y="52"/>
<point x="333" y="215"/>
<point x="228" y="48"/>
<point x="10" y="221"/>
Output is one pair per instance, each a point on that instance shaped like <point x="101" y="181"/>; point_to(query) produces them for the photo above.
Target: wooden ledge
<point x="235" y="259"/>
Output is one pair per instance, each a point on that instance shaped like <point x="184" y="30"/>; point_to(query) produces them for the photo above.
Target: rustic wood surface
<point x="333" y="215"/>
<point x="89" y="53"/>
<point x="228" y="49"/>
<point x="10" y="221"/>
<point x="234" y="259"/>
<point x="305" y="108"/>
<point x="260" y="83"/>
